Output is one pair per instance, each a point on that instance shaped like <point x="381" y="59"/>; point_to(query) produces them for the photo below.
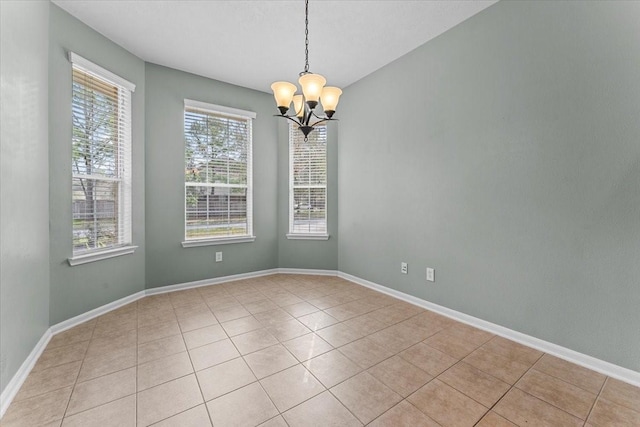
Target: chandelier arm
<point x="290" y="118"/>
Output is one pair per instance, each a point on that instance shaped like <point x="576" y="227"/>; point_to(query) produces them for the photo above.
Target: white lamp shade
<point x="312" y="85"/>
<point x="330" y="97"/>
<point x="283" y="93"/>
<point x="298" y="105"/>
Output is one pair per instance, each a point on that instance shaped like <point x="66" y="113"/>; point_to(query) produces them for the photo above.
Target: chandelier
<point x="313" y="91"/>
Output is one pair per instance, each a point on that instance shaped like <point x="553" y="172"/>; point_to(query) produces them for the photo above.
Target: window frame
<point x="124" y="216"/>
<point x="230" y="113"/>
<point x="297" y="235"/>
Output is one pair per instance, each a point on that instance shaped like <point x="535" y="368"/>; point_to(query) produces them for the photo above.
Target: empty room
<point x="320" y="213"/>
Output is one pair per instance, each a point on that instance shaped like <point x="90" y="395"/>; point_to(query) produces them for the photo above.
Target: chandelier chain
<point x="306" y="36"/>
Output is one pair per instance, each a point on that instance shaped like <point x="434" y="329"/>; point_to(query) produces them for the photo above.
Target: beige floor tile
<point x="431" y="323"/>
<point x="606" y="413"/>
<point x="270" y="360"/>
<point x="569" y="398"/>
<point x="349" y="310"/>
<point x="217" y="303"/>
<point x="101" y="390"/>
<point x="364" y="325"/>
<point x="320" y="411"/>
<point x="194" y="417"/>
<point x="400" y="376"/>
<point x="469" y="333"/>
<point x="253" y="341"/>
<point x="168" y="399"/>
<point x="224" y="378"/>
<point x="451" y="344"/>
<point x="393" y="314"/>
<point x="77" y="334"/>
<point x="318" y="320"/>
<point x="513" y="351"/>
<point x="241" y="325"/>
<point x="284" y="300"/>
<point x="365" y="353"/>
<point x="119" y="413"/>
<point x="230" y="313"/>
<point x="112" y="344"/>
<point x="157" y="331"/>
<point x="300" y="309"/>
<point x="496" y="365"/>
<point x="160" y="348"/>
<point x="291" y="387"/>
<point x="365" y="396"/>
<point x="232" y="409"/>
<point x="307" y="346"/>
<point x="271" y="317"/>
<point x="108" y="363"/>
<point x="275" y="422"/>
<point x="162" y="370"/>
<point x="197" y="321"/>
<point x="571" y="373"/>
<point x="203" y="336"/>
<point x="523" y="409"/>
<point x="339" y="334"/>
<point x="251" y="297"/>
<point x="115" y="328"/>
<point x="61" y="355"/>
<point x="446" y="405"/>
<point x="397" y="338"/>
<point x="46" y="380"/>
<point x="213" y="354"/>
<point x="430" y="360"/>
<point x="622" y="393"/>
<point x="154" y="317"/>
<point x="43" y="409"/>
<point x="260" y="306"/>
<point x="287" y="330"/>
<point x="478" y="385"/>
<point x="332" y="368"/>
<point x="404" y="414"/>
<point x="491" y="419"/>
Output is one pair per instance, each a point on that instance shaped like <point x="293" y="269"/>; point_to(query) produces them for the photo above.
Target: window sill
<point x="308" y="236"/>
<point x="99" y="256"/>
<point x="220" y="241"/>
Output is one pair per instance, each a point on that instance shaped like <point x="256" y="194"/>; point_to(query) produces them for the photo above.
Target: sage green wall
<point x="313" y="254"/>
<point x="507" y="157"/>
<point x="24" y="216"/>
<point x="76" y="290"/>
<point x="167" y="261"/>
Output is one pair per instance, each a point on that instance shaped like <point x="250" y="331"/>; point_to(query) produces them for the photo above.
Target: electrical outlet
<point x="404" y="268"/>
<point x="431" y="274"/>
<point x="218" y="256"/>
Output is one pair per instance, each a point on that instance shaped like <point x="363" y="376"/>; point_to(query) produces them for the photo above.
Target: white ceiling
<point x="253" y="43"/>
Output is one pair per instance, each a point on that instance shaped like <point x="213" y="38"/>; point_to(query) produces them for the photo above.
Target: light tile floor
<point x="293" y="350"/>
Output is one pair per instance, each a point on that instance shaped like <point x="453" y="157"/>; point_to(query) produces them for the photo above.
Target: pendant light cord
<point x="306" y="36"/>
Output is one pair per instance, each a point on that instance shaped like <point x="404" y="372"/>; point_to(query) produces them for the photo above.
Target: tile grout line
<point x="604" y="383"/>
<point x="64" y="415"/>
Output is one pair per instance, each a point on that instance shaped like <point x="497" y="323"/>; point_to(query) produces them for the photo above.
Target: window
<point x="218" y="184"/>
<point x="308" y="184"/>
<point x="101" y="162"/>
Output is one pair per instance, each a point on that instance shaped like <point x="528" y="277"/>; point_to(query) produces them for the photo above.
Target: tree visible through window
<point x="100" y="163"/>
<point x="308" y="182"/>
<point x="217" y="174"/>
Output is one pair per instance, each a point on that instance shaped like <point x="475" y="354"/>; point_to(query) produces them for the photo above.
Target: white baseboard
<point x="208" y="282"/>
<point x="18" y="379"/>
<point x="589" y="362"/>
<point x="606" y="368"/>
<point x="308" y="271"/>
<point x="96" y="312"/>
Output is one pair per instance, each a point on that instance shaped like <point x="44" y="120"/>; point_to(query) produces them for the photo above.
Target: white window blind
<point x="218" y="162"/>
<point x="101" y="158"/>
<point x="308" y="182"/>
